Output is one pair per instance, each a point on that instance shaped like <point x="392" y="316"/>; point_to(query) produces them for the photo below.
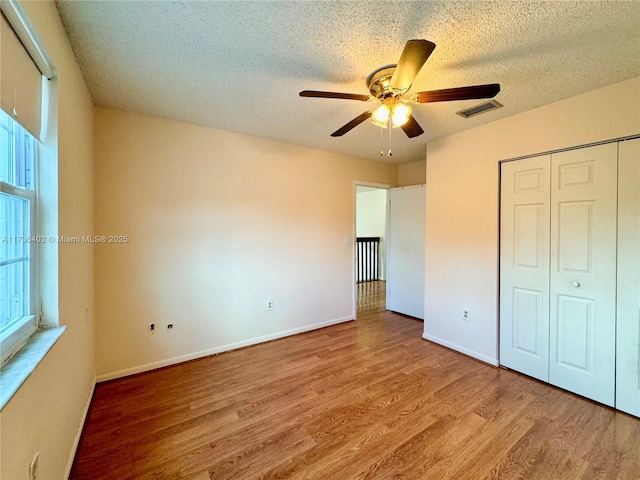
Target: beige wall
<point x="462" y="204"/>
<point x="218" y="223"/>
<point x="414" y="173"/>
<point x="46" y="414"/>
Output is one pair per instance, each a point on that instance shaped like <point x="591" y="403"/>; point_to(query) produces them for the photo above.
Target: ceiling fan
<point x="388" y="85"/>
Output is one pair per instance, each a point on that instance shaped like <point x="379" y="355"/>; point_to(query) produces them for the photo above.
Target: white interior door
<point x="405" y="250"/>
<point x="583" y="271"/>
<point x="628" y="324"/>
<point x="524" y="266"/>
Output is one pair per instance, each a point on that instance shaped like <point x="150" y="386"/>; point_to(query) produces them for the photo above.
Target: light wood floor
<point x="361" y="400"/>
<point x="371" y="298"/>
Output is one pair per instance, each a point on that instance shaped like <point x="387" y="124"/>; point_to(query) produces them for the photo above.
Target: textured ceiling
<point x="239" y="65"/>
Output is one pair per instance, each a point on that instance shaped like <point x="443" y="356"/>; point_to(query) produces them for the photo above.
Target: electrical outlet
<point x="269" y="305"/>
<point x="33" y="467"/>
<point x="466" y="314"/>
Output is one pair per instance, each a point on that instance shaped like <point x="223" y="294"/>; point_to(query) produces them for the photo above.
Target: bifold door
<point x="558" y="269"/>
<point x="583" y="271"/>
<point x="524" y="266"/>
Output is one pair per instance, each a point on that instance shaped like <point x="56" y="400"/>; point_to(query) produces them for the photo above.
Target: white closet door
<point x="628" y="345"/>
<point x="583" y="271"/>
<point x="524" y="266"/>
<point x="405" y="250"/>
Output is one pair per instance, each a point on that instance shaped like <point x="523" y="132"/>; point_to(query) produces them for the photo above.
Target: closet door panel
<point x="583" y="271"/>
<point x="628" y="331"/>
<point x="524" y="266"/>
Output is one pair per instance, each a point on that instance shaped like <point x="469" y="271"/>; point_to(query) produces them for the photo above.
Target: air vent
<point x="478" y="109"/>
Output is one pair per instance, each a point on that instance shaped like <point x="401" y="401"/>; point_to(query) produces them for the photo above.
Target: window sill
<point x="16" y="371"/>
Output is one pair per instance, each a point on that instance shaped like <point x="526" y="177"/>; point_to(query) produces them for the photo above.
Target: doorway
<point x="370" y="249"/>
<point x="391" y="223"/>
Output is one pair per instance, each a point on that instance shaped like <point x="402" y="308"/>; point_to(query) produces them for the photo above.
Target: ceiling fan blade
<point x="352" y="124"/>
<point x="412" y="128"/>
<point x="461" y="93"/>
<point x="413" y="56"/>
<point x="344" y="96"/>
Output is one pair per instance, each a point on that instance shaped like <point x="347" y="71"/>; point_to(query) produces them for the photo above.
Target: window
<point x="18" y="239"/>
<point x="28" y="292"/>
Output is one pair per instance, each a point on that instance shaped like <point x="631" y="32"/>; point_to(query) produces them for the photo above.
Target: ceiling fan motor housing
<point x="379" y="83"/>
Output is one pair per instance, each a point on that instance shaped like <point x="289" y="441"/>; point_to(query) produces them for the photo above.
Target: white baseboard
<point x="78" y="437"/>
<point x="223" y="348"/>
<point x="458" y="348"/>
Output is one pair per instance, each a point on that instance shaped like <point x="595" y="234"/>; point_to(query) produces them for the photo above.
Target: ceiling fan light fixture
<point x="400" y="114"/>
<point x="381" y="115"/>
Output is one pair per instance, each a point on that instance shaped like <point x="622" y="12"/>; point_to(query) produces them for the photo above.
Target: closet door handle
<point x="575" y="284"/>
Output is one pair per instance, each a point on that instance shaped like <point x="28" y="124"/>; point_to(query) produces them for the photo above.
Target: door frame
<point x="354" y="196"/>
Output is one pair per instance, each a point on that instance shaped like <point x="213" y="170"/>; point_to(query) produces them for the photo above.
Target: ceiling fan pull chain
<point x="389" y="153"/>
<point x="382" y="142"/>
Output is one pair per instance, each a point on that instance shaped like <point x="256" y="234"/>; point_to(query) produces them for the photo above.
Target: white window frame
<point x="15" y="335"/>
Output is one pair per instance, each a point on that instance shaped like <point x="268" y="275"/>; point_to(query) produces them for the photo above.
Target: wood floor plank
<point x="367" y="399"/>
